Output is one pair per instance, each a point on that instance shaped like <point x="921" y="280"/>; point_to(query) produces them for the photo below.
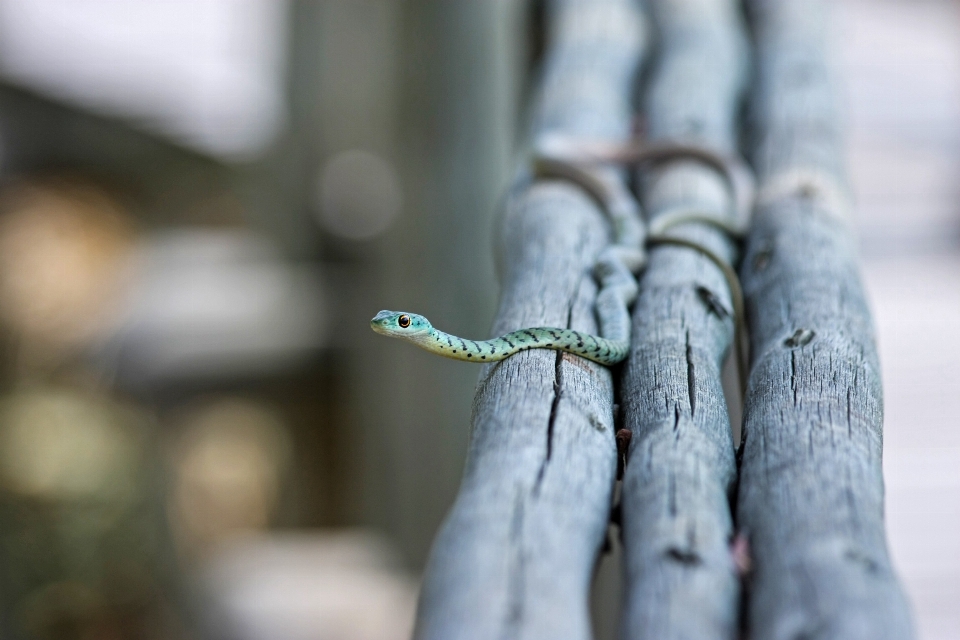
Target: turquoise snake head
<point x="401" y="324"/>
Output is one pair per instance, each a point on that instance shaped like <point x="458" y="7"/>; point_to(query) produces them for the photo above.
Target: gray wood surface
<point x="811" y="491"/>
<point x="681" y="581"/>
<point x="515" y="556"/>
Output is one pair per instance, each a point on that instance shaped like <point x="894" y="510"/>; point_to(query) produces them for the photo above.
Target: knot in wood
<point x="800" y="338"/>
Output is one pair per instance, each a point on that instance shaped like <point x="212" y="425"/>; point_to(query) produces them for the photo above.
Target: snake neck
<point x="451" y="346"/>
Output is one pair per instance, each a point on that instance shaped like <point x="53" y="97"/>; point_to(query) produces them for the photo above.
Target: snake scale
<point x="615" y="269"/>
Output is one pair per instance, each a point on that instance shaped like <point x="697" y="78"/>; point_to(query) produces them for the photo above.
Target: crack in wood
<point x="554" y="409"/>
<point x="691" y="378"/>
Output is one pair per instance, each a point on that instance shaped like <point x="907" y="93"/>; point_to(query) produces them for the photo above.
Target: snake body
<point x="616" y="266"/>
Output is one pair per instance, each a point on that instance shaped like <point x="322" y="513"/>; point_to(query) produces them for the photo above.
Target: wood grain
<point x="811" y="489"/>
<point x="515" y="556"/>
<point x="681" y="472"/>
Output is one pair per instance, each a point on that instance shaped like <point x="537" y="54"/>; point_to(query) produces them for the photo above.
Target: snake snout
<point x="383" y="315"/>
<point x="379" y="321"/>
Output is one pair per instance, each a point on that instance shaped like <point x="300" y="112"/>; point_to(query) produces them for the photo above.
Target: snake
<point x="415" y="328"/>
<point x="588" y="166"/>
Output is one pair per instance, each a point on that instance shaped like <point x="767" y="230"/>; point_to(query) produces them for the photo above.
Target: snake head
<point x="400" y="324"/>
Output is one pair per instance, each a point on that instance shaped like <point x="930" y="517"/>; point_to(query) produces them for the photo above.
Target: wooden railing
<point x="802" y="528"/>
<point x="811" y="489"/>
<point x="515" y="556"/>
<point x="680" y="479"/>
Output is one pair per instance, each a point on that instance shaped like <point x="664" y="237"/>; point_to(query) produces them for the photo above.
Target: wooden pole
<point x="515" y="556"/>
<point x="811" y="489"/>
<point x="677" y="525"/>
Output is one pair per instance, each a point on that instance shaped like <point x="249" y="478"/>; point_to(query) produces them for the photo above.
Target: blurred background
<point x="202" y="204"/>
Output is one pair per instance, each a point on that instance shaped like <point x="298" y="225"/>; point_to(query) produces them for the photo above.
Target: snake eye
<point x="403" y="321"/>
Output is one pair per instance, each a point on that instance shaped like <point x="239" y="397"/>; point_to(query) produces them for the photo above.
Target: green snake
<point x="415" y="328"/>
<point x="616" y="265"/>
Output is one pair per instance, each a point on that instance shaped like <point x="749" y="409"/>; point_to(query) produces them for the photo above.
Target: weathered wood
<point x="515" y="557"/>
<point x="680" y="475"/>
<point x="811" y="490"/>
